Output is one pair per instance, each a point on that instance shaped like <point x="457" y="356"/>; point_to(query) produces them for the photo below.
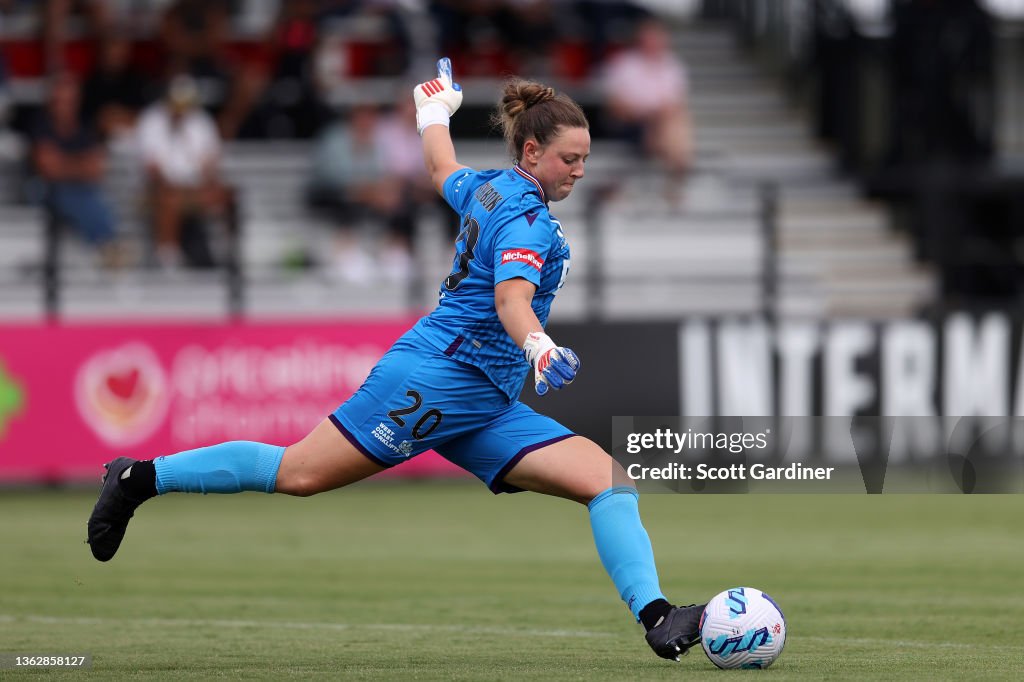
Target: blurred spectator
<point x="290" y="105"/>
<point x="564" y="37"/>
<point x="403" y="157"/>
<point x="180" y="148"/>
<point x="193" y="34"/>
<point x="474" y="33"/>
<point x="70" y="157"/>
<point x="403" y="148"/>
<point x="606" y="23"/>
<point x="360" y="39"/>
<point x="646" y="93"/>
<point x="56" y="16"/>
<point x="364" y="171"/>
<point x="115" y="91"/>
<point x="530" y="30"/>
<point x="378" y="42"/>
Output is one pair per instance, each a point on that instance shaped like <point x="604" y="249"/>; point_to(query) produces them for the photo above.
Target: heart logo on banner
<point x="123" y="385"/>
<point x="122" y="394"/>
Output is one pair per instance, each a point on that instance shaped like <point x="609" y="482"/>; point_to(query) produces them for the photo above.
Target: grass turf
<point x="441" y="581"/>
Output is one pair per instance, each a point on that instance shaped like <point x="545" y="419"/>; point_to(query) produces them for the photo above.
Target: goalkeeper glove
<point x="438" y="99"/>
<point x="553" y="366"/>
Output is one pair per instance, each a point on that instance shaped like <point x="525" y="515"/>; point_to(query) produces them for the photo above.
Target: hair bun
<point x="537" y="95"/>
<point x="519" y="95"/>
<point x="520" y="118"/>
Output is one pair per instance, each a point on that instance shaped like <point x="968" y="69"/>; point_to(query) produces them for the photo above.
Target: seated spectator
<point x="403" y="161"/>
<point x="357" y="178"/>
<point x="193" y="35"/>
<point x="70" y="157"/>
<point x="115" y="91"/>
<point x="180" y="149"/>
<point x="646" y="90"/>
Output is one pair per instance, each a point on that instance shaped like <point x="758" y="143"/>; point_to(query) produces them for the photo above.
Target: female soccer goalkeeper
<point x="452" y="382"/>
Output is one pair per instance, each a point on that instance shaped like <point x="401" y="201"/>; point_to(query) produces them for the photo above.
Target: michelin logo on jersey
<point x="531" y="258"/>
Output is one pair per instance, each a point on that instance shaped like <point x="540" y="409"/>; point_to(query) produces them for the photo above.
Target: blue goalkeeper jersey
<point x="506" y="232"/>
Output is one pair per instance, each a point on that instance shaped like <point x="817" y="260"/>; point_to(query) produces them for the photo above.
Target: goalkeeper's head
<point x="547" y="134"/>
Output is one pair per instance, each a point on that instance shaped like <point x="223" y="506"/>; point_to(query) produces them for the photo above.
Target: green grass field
<point x="444" y="581"/>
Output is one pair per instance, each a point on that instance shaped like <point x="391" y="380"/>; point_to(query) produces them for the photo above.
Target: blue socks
<point x="224" y="468"/>
<point x="624" y="547"/>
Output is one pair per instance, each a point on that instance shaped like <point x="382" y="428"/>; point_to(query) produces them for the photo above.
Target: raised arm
<point x="439" y="155"/>
<point x="436" y="101"/>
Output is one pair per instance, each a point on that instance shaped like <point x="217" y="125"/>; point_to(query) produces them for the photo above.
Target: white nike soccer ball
<point x="742" y="628"/>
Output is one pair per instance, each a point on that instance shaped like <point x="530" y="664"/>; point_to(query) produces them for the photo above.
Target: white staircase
<point x="837" y="255"/>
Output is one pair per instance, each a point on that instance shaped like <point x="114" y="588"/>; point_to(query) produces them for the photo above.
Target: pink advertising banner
<point x="73" y="396"/>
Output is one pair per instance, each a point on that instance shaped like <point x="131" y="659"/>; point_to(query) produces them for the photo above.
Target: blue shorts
<point x="417" y="398"/>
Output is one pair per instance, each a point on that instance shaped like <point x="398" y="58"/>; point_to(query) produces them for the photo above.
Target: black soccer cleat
<point x="677" y="632"/>
<point x="113" y="510"/>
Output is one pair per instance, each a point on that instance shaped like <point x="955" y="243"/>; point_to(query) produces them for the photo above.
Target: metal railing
<point x="597" y="278"/>
<point x="53" y="280"/>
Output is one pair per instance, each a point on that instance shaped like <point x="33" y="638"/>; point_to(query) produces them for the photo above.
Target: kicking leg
<point x="323" y="460"/>
<point x="577" y="469"/>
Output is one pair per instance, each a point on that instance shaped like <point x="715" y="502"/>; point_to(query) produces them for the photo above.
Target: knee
<point x="588" y="489"/>
<point x="615" y="489"/>
<point x="598" y="480"/>
<point x="298" y="485"/>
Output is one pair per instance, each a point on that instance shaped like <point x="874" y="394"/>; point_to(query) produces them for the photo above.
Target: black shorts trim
<point x="359" y="446"/>
<point x="498" y="485"/>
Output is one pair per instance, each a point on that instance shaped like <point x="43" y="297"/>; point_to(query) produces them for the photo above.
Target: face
<point x="652" y="39"/>
<point x="559" y="164"/>
<point x="116" y="53"/>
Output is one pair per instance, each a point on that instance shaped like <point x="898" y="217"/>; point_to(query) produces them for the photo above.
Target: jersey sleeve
<point x="456" y="189"/>
<point x="521" y="245"/>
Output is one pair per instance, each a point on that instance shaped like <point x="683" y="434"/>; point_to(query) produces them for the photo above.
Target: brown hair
<point x="528" y="109"/>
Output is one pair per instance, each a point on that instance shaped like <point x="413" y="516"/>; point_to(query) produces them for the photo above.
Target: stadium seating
<point x="632" y="257"/>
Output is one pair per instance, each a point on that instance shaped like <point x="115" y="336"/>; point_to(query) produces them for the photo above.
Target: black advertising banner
<point x="958" y="366"/>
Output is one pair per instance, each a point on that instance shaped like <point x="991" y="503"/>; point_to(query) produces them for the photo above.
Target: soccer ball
<point x="742" y="628"/>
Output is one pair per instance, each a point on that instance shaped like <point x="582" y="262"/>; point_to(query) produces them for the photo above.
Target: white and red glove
<point x="553" y="366"/>
<point x="437" y="100"/>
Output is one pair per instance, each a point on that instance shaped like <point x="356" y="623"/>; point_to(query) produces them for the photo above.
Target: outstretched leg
<point x="577" y="469"/>
<point x="323" y="460"/>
